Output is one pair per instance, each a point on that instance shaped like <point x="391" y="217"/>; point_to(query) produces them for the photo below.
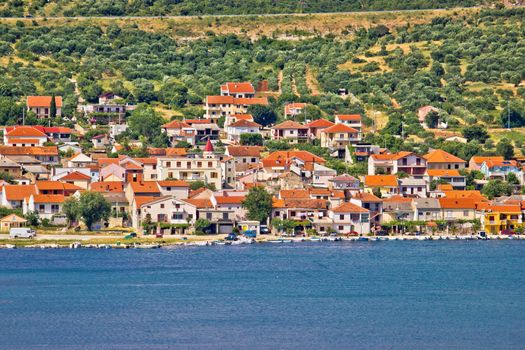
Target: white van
<point x="21" y="232"/>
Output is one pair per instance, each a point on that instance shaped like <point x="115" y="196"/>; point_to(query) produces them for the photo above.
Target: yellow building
<point x="501" y="217"/>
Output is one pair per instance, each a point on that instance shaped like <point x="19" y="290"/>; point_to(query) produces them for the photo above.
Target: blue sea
<point x="366" y="295"/>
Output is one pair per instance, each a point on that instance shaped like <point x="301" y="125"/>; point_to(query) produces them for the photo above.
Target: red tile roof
<point x="29" y="151"/>
<point x="43" y="101"/>
<point x="340" y="128"/>
<point x="243" y="123"/>
<point x="320" y="123"/>
<point x="349" y="208"/>
<point x="25" y="131"/>
<point x="243" y="87"/>
<point x="440" y="156"/>
<point x="244" y="151"/>
<point x="349" y="117"/>
<point x="380" y="181"/>
<point x="75" y="175"/>
<point x="173" y="183"/>
<point x="109" y="186"/>
<point x="289" y="124"/>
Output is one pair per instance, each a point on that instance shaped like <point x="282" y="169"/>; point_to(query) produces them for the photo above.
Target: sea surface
<point x="366" y="295"/>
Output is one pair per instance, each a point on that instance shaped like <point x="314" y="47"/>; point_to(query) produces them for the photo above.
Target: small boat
<point x="10" y="246"/>
<point x="315" y="239"/>
<point x="364" y="239"/>
<point x="75" y="245"/>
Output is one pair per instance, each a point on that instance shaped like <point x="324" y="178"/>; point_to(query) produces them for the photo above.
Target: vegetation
<point x="258" y="202"/>
<point x="93" y="207"/>
<point x="200" y="7"/>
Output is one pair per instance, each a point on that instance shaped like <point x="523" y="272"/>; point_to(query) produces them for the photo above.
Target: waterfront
<point x="376" y="295"/>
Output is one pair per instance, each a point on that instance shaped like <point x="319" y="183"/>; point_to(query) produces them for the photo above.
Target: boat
<point x="75" y="245"/>
<point x="10" y="246"/>
<point x="315" y="239"/>
<point x="363" y="239"/>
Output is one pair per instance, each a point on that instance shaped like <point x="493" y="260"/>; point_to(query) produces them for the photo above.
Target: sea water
<point x="366" y="295"/>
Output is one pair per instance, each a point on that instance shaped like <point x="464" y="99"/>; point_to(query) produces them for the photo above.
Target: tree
<point x="512" y="179"/>
<point x="496" y="188"/>
<point x="251" y="140"/>
<point x="145" y="121"/>
<point x="195" y="185"/>
<point x="93" y="207"/>
<point x="475" y="132"/>
<point x="53" y="108"/>
<point x="71" y="209"/>
<point x="201" y="225"/>
<point x="32" y="218"/>
<point x="505" y="148"/>
<point x="263" y="115"/>
<point x="432" y="119"/>
<point x="258" y="202"/>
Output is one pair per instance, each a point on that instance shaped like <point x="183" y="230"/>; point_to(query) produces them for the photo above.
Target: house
<point x="238" y="90"/>
<point x="291" y="131"/>
<point x="70" y="148"/>
<point x="315" y="127"/>
<point x="46" y="205"/>
<point x="47" y="155"/>
<point x="338" y="137"/>
<point x="452" y="177"/>
<point x="41" y="105"/>
<point x="299" y="209"/>
<point x="79" y="160"/>
<point x="412" y="187"/>
<point x="500" y="169"/>
<point x="320" y="175"/>
<point x="370" y="202"/>
<point x="349" y="217"/>
<point x="205" y="129"/>
<point x="55" y="187"/>
<point x="207" y="168"/>
<point x="77" y="178"/>
<point x="237" y="117"/>
<point x="397" y="208"/>
<point x="10" y="168"/>
<point x="476" y="162"/>
<point x="24" y="136"/>
<point x="235" y="130"/>
<point x="345" y="182"/>
<point x="361" y="152"/>
<point x="13" y="195"/>
<point x="166" y="210"/>
<point x="175" y="188"/>
<point x="217" y="106"/>
<point x="114" y="193"/>
<point x="108" y="97"/>
<point x="11" y="221"/>
<point x="439" y="159"/>
<point x="422" y="113"/>
<point x="426" y="209"/>
<point x="292" y="110"/>
<point x="279" y="162"/>
<point x="454" y="209"/>
<point x="406" y="162"/>
<point x="178" y="131"/>
<point x="100" y="141"/>
<point x="352" y="120"/>
<point x="245" y="157"/>
<point x="386" y="185"/>
<point x="498" y="217"/>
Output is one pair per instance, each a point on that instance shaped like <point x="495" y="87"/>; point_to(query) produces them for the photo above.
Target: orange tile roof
<point x="492" y="163"/>
<point x="242" y="87"/>
<point x="245" y="123"/>
<point x="236" y="101"/>
<point x="443" y="172"/>
<point x="283" y="158"/>
<point x="173" y="183"/>
<point x="349" y="208"/>
<point x="48" y="185"/>
<point x="445" y="187"/>
<point x="144" y="187"/>
<point x="200" y="203"/>
<point x="440" y="156"/>
<point x="29" y="151"/>
<point x="109" y="186"/>
<point x="244" y="151"/>
<point x="171" y="152"/>
<point x="146" y="160"/>
<point x="457" y="203"/>
<point x="48" y="198"/>
<point x="243" y="117"/>
<point x="176" y="124"/>
<point x="25" y="131"/>
<point x="340" y="128"/>
<point x="294" y="194"/>
<point x="367" y="197"/>
<point x="76" y="175"/>
<point x="470" y="194"/>
<point x="503" y="208"/>
<point x="141" y="200"/>
<point x="229" y="199"/>
<point x="304" y="203"/>
<point x="102" y="162"/>
<point x="289" y="124"/>
<point x="397" y="198"/>
<point x="19" y="192"/>
<point x="43" y="101"/>
<point x="297" y="105"/>
<point x="13" y="141"/>
<point x="320" y="123"/>
<point x="480" y="159"/>
<point x="349" y="117"/>
<point x="380" y="181"/>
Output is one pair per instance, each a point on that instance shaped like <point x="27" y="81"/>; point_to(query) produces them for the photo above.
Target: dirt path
<point x="311" y="82"/>
<point x="280" y="81"/>
<point x="294" y="88"/>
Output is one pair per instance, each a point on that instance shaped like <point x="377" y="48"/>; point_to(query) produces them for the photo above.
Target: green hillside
<point x="14" y="8"/>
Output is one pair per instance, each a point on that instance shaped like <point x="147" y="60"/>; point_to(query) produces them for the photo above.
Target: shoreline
<point x="153" y="243"/>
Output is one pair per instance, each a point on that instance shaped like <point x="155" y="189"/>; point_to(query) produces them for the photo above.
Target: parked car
<point x="508" y="232"/>
<point x="21" y="232"/>
<point x="264" y="230"/>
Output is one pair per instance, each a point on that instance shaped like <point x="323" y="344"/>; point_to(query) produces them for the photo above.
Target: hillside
<point x="468" y="64"/>
<point x="219" y="7"/>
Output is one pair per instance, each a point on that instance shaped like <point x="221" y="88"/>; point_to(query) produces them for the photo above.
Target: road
<point x="243" y="15"/>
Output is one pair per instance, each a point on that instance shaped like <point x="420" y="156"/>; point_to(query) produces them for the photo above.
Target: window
<point x="365" y="218"/>
<point x="225" y="216"/>
<point x="340" y="228"/>
<point x="465" y="212"/>
<point x="210" y="164"/>
<point x="213" y="175"/>
<point x="341" y="217"/>
<point x="179" y="164"/>
<point x="208" y="216"/>
<point x="162" y="206"/>
<point x="168" y="164"/>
